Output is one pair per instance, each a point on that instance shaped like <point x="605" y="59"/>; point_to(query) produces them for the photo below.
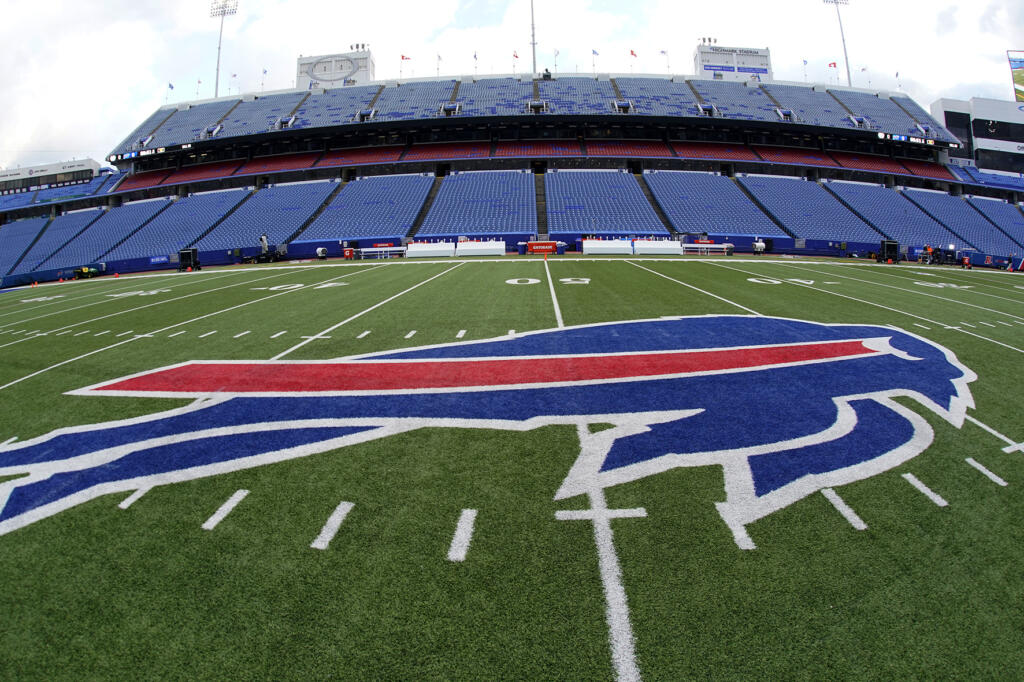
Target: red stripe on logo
<point x="369" y="375"/>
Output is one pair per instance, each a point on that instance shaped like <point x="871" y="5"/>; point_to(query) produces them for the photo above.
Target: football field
<point x="589" y="469"/>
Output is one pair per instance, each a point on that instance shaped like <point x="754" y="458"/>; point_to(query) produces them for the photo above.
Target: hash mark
<point x="80" y="333"/>
<point x="133" y="498"/>
<point x="238" y="336"/>
<point x="844" y="509"/>
<point x="411" y="334"/>
<point x="992" y="477"/>
<point x="224" y="510"/>
<point x="922" y="326"/>
<point x="463" y="536"/>
<point x="987" y="324"/>
<point x="1005" y="324"/>
<point x="462" y="332"/>
<point x="925" y="490"/>
<point x="105" y="331"/>
<point x="124" y="334"/>
<point x="364" y="334"/>
<point x="203" y="336"/>
<point x="330" y="528"/>
<point x="279" y="334"/>
<point x="171" y="336"/>
<point x="968" y="324"/>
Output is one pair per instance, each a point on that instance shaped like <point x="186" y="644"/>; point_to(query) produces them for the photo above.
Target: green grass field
<point x="101" y="592"/>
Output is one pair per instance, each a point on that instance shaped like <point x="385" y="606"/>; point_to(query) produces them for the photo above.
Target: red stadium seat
<point x="802" y="157"/>
<point x="926" y="169"/>
<point x="205" y="171"/>
<point x="273" y="164"/>
<point x="642" y="149"/>
<point x="142" y="180"/>
<point x="539" y="148"/>
<point x="868" y="162"/>
<point x="357" y="157"/>
<point x="448" y="150"/>
<point x="714" y="150"/>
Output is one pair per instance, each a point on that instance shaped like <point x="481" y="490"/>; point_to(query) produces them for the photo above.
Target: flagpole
<point x="533" y="38"/>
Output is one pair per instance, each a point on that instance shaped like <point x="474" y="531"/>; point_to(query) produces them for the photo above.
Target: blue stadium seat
<point x="276" y="210"/>
<point x="71" y="192"/>
<point x="705" y="202"/>
<point x="1007" y="216"/>
<point x="577" y="95"/>
<point x="737" y="100"/>
<point x="892" y="213"/>
<point x="810" y="106"/>
<point x="383" y="206"/>
<point x="485" y="202"/>
<point x="808" y="210"/>
<point x="259" y="114"/>
<point x="60" y="231"/>
<point x="658" y="96"/>
<point x="102" y="235"/>
<point x="598" y="202"/>
<point x="960" y="217"/>
<point x="334" y="107"/>
<point x="187" y="125"/>
<point x="408" y="101"/>
<point x="179" y="225"/>
<point x="15" y="238"/>
<point x="494" y="97"/>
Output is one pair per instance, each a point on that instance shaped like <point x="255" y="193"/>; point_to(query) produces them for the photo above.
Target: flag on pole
<point x="557" y="53"/>
<point x="170" y="86"/>
<point x="264" y="72"/>
<point x="832" y="65"/>
<point x="595" y="53"/>
<point x="438" y="57"/>
<point x="632" y="54"/>
<point x="805" y="62"/>
<point x="863" y="69"/>
<point x="474" y="56"/>
<point x="405" y="59"/>
<point x="664" y="52"/>
<point x="515" y="55"/>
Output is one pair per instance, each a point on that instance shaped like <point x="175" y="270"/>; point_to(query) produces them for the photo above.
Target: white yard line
<point x="872" y="303"/>
<point x="463" y="536"/>
<point x="554" y="297"/>
<point x="844" y="509"/>
<point x="364" y="312"/>
<point x="980" y="467"/>
<point x="330" y="528"/>
<point x="909" y="291"/>
<point x="925" y="490"/>
<point x="158" y="331"/>
<point x="224" y="510"/>
<point x="690" y="286"/>
<point x="1012" y="445"/>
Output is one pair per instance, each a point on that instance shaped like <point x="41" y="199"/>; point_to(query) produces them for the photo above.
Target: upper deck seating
<point x="658" y="96"/>
<point x="418" y="99"/>
<point x="577" y="95"/>
<point x="334" y="107"/>
<point x="810" y="106"/>
<point x="737" y="100"/>
<point x="494" y="97"/>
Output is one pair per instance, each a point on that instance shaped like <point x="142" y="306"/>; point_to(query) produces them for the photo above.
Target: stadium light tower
<point x="846" y="57"/>
<point x="221" y="8"/>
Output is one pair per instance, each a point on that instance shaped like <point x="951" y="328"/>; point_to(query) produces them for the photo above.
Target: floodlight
<point x="221" y="8"/>
<point x="846" y="57"/>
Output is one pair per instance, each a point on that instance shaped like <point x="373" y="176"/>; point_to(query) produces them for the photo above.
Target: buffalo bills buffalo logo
<point x="784" y="407"/>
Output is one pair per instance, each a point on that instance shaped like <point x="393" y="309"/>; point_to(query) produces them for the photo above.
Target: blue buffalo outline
<point x="779" y="433"/>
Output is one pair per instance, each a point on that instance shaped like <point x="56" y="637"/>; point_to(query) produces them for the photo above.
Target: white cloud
<point x="81" y="76"/>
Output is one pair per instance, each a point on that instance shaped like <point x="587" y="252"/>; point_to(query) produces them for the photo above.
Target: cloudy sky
<point x="78" y="76"/>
